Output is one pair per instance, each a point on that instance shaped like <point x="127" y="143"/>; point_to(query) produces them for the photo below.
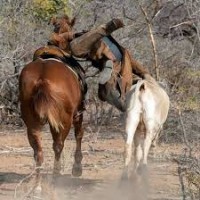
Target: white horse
<point x="147" y="110"/>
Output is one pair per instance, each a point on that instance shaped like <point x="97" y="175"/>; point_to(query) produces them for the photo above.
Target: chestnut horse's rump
<point x="51" y="92"/>
<point x="43" y="82"/>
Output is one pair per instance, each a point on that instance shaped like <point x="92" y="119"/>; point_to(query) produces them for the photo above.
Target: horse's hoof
<point x="56" y="172"/>
<point x="142" y="169"/>
<point x="38" y="191"/>
<point x="77" y="170"/>
<point x="124" y="176"/>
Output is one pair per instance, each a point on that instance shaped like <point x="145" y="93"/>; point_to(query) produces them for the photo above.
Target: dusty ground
<point x="102" y="168"/>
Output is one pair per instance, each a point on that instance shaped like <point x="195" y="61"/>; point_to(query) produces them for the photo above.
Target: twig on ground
<point x="7" y="149"/>
<point x="24" y="179"/>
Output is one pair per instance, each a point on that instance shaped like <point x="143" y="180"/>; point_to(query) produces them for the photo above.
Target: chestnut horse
<point x="51" y="92"/>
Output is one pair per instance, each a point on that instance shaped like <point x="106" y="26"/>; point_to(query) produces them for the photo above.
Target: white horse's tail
<point x="134" y="93"/>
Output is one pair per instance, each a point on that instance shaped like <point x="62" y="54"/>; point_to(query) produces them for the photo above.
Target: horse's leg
<point x="132" y="122"/>
<point x="155" y="139"/>
<point x="34" y="137"/>
<point x="57" y="147"/>
<point x="150" y="133"/>
<point x="58" y="142"/>
<point x="33" y="132"/>
<point x="138" y="142"/>
<point x="77" y="167"/>
<point x="138" y="174"/>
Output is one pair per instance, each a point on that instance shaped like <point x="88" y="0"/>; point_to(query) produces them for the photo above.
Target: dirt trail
<point x="102" y="168"/>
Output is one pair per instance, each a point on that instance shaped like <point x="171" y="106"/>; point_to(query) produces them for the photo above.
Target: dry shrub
<point x="189" y="174"/>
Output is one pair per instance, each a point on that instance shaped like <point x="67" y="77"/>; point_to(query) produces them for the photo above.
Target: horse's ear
<point x="52" y="21"/>
<point x="142" y="87"/>
<point x="72" y="22"/>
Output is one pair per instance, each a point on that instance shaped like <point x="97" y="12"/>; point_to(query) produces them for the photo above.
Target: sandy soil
<point x="102" y="168"/>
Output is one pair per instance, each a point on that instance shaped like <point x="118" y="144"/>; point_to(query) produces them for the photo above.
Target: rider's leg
<point x="105" y="74"/>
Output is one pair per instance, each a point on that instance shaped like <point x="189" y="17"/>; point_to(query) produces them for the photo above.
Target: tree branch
<point x="152" y="43"/>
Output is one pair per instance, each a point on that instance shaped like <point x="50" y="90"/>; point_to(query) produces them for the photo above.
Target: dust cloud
<point x="68" y="188"/>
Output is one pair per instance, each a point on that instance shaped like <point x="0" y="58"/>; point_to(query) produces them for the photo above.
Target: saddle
<point x="51" y="51"/>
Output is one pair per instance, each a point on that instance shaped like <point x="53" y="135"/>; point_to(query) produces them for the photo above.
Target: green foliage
<point x="191" y="103"/>
<point x="45" y="9"/>
<point x="194" y="73"/>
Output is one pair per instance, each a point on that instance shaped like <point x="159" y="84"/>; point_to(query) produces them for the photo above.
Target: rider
<point x="63" y="33"/>
<point x="117" y="68"/>
<point x="61" y="37"/>
<point x="114" y="62"/>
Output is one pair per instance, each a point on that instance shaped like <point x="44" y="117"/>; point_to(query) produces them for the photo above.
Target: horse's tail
<point x="47" y="104"/>
<point x="134" y="96"/>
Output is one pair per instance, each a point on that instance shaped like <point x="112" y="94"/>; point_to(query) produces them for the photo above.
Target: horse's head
<point x="62" y="24"/>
